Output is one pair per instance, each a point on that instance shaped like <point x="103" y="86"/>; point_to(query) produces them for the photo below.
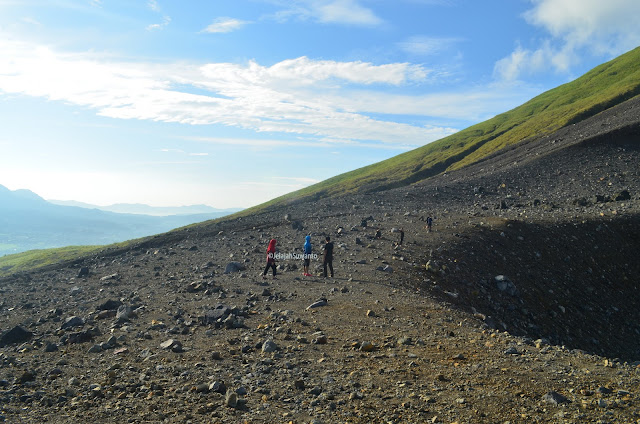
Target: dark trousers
<point x="330" y="263"/>
<point x="272" y="265"/>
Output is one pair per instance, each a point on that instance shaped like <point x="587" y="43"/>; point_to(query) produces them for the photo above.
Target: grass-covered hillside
<point x="601" y="88"/>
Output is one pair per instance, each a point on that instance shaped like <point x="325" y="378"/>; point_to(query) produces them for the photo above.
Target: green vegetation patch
<point x="33" y="259"/>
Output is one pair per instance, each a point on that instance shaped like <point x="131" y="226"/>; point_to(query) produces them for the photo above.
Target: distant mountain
<point x="28" y="222"/>
<point x="142" y="209"/>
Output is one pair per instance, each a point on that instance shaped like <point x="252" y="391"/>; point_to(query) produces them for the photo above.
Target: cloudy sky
<point x="230" y="103"/>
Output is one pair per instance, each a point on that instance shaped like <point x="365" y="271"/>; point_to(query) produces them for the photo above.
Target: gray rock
<point x="110" y="305"/>
<point x="212" y="315"/>
<point x="72" y="322"/>
<point x="385" y="268"/>
<point x="318" y="303"/>
<point x="269" y="346"/>
<point x="124" y="314"/>
<point x="50" y="347"/>
<point x="171" y="344"/>
<point x="218" y="387"/>
<point x="16" y="335"/>
<point x="316" y="391"/>
<point x="202" y="388"/>
<point x="231" y="400"/>
<point x="96" y="348"/>
<point x="234" y="267"/>
<point x="505" y="285"/>
<point x="555" y="398"/>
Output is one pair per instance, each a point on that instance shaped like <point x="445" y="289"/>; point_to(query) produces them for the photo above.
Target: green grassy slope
<point x="28" y="261"/>
<point x="601" y="88"/>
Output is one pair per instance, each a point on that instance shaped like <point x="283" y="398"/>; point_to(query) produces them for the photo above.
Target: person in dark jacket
<point x="328" y="256"/>
<point x="271" y="260"/>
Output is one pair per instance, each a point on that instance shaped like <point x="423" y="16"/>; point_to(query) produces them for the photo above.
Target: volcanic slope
<point x="599" y="89"/>
<point x="520" y="305"/>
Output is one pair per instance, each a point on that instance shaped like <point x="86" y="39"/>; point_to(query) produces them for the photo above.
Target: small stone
<point x="73" y="321"/>
<point x="50" y="347"/>
<point x="202" y="388"/>
<point x="269" y="346"/>
<point x="218" y="387"/>
<point x="318" y="303"/>
<point x="356" y="396"/>
<point x="555" y="398"/>
<point x="172" y="344"/>
<point x="233" y="267"/>
<point x="367" y="347"/>
<point x="96" y="348"/>
<point x="405" y="341"/>
<point x="321" y="339"/>
<point x="316" y="390"/>
<point x="231" y="400"/>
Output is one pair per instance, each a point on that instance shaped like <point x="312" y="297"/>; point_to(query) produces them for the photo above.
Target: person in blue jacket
<point x="307" y="256"/>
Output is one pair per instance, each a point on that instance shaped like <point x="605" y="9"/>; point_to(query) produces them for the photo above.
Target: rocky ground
<point x="520" y="306"/>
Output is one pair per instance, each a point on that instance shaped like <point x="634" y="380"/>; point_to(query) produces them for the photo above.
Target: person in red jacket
<point x="271" y="260"/>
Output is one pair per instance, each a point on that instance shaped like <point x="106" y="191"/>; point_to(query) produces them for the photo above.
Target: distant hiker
<point x="401" y="236"/>
<point x="271" y="258"/>
<point x="307" y="255"/>
<point x="429" y="223"/>
<point x="328" y="256"/>
<point x="378" y="233"/>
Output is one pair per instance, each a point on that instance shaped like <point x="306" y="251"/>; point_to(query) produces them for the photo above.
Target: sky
<point x="231" y="103"/>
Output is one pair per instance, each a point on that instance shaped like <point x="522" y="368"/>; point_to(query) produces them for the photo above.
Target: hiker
<point x="429" y="222"/>
<point x="378" y="233"/>
<point x="328" y="256"/>
<point x="271" y="260"/>
<point x="307" y="256"/>
<point x="401" y="236"/>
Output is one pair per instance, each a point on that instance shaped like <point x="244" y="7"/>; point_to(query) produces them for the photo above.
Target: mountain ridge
<point x="27" y="222"/>
<point x="144" y="209"/>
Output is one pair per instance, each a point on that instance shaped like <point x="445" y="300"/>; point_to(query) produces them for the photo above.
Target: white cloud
<point x="606" y="26"/>
<point x="222" y="25"/>
<point x="602" y="28"/>
<point x="166" y="20"/>
<point x="319" y="101"/>
<point x="423" y="46"/>
<point x="345" y="12"/>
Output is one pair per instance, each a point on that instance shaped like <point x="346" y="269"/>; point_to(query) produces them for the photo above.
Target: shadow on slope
<point x="573" y="283"/>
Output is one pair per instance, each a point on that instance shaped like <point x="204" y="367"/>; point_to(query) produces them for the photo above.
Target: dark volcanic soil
<point x="520" y="306"/>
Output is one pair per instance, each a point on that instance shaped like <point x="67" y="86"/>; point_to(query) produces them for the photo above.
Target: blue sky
<point x="230" y="103"/>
